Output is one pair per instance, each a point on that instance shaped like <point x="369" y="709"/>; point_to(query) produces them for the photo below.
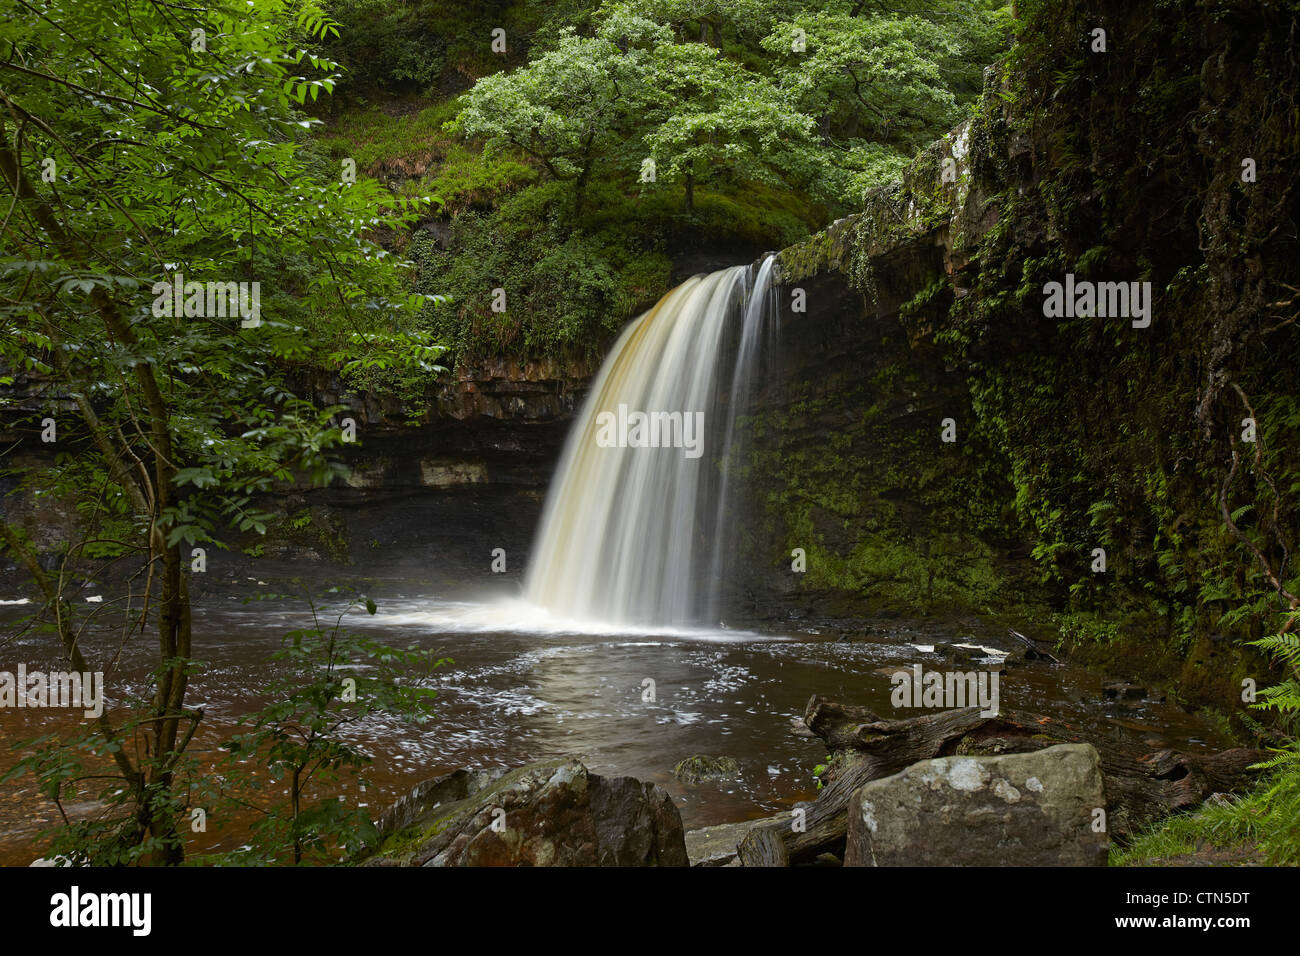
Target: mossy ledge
<point x="1074" y="434"/>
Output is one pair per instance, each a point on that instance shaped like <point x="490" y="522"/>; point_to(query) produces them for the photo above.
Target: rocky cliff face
<point x="864" y="451"/>
<point x="1146" y="466"/>
<point x="522" y="391"/>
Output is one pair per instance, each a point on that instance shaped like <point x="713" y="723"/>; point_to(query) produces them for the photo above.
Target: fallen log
<point x="1140" y="786"/>
<point x="1031" y="649"/>
<point x="877" y="748"/>
<point x="763" y="847"/>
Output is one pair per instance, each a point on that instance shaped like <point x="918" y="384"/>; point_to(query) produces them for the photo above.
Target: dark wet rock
<point x="1124" y="691"/>
<point x="418" y="802"/>
<point x="699" y="768"/>
<point x="1028" y="809"/>
<point x="548" y="813"/>
<point x="959" y="656"/>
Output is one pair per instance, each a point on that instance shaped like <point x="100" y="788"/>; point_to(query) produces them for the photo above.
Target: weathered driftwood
<point x="1032" y="649"/>
<point x="1143" y="787"/>
<point x="1140" y="786"/>
<point x="763" y="846"/>
<point x="876" y="748"/>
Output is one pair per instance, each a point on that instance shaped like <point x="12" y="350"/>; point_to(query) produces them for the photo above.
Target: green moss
<point x="399" y="138"/>
<point x="699" y="768"/>
<point x="403" y="843"/>
<point x="884" y="511"/>
<point x="465" y="178"/>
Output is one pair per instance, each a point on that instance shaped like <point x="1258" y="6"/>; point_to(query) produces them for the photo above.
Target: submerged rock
<point x="1124" y="691"/>
<point x="547" y="813"/>
<point x="698" y="768"/>
<point x="1031" y="809"/>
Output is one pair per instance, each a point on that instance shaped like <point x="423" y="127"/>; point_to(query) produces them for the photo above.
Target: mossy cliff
<point x="1169" y="159"/>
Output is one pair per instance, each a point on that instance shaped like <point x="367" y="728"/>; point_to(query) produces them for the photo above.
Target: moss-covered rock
<point x="699" y="768"/>
<point x="1170" y="163"/>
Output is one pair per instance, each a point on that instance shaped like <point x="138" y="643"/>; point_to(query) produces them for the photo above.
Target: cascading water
<point x="635" y="528"/>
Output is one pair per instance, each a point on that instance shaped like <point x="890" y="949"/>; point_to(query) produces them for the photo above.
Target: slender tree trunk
<point x="296" y="797"/>
<point x="580" y="193"/>
<point x="153" y="809"/>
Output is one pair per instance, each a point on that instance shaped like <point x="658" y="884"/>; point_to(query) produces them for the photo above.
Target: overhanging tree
<point x="170" y="146"/>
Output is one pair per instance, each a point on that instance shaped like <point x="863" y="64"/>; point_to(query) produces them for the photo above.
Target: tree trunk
<point x="153" y="812"/>
<point x="763" y="847"/>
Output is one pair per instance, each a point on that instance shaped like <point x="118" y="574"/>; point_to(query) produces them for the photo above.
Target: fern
<point x="1282" y="698"/>
<point x="1283" y="647"/>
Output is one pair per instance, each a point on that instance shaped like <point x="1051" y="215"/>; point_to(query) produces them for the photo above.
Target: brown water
<point x="524" y="687"/>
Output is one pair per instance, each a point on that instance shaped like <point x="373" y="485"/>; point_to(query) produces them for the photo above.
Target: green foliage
<point x="132" y="158"/>
<point x="747" y="111"/>
<point x="388" y="48"/>
<point x="1283" y="698"/>
<point x="386" y="44"/>
<point x="1262" y="826"/>
<point x="331" y="679"/>
<point x="820" y="769"/>
<point x="1084" y="628"/>
<point x="470" y="179"/>
<point x="206" y="200"/>
<point x="568" y="290"/>
<point x="752" y="145"/>
<point x="399" y="140"/>
<point x="396" y="363"/>
<point x="1285" y="650"/>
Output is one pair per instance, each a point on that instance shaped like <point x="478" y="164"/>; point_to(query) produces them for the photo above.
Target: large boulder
<point x="1032" y="809"/>
<point x="547" y="813"/>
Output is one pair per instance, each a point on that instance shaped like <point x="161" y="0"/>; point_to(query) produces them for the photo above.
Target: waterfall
<point x="634" y="530"/>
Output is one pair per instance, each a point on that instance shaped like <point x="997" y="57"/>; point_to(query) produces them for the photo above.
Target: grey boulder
<point x="1030" y="809"/>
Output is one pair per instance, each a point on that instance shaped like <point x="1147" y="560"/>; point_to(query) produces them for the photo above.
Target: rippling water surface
<point x="524" y="685"/>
